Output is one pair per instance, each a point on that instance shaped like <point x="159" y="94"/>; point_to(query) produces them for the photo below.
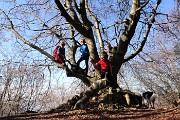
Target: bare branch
<point x="24" y="40"/>
<point x="77" y="26"/>
<point x="96" y="27"/>
<point x="140" y="48"/>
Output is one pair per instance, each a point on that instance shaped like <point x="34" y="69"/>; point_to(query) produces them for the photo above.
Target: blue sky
<point x="166" y="5"/>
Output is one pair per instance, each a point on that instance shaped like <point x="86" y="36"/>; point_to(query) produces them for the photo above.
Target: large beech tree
<point x="43" y="24"/>
<point x="80" y="18"/>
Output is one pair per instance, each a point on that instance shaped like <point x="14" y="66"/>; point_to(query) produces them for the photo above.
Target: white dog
<point x="150" y="97"/>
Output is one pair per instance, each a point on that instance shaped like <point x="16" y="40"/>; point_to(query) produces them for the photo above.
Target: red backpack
<point x="55" y="51"/>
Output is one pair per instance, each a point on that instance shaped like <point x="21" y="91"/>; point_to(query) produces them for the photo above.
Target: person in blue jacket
<point x="84" y="54"/>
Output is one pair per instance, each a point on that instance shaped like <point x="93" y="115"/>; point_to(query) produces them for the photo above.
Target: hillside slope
<point x="106" y="114"/>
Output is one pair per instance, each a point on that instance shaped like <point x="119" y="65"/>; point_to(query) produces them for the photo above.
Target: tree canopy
<point x="72" y="19"/>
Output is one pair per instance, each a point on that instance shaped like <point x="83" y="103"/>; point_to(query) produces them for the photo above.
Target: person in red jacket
<point x="59" y="54"/>
<point x="105" y="65"/>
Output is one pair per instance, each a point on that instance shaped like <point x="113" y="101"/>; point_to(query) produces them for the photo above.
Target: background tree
<point x="161" y="74"/>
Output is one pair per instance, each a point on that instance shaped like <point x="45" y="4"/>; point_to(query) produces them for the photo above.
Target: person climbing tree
<point x="84" y="54"/>
<point x="59" y="54"/>
<point x="104" y="65"/>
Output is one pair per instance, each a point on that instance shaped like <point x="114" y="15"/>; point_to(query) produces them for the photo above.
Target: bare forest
<point x="140" y="39"/>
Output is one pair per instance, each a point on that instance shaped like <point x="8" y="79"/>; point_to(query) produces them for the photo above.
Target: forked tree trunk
<point x="84" y="26"/>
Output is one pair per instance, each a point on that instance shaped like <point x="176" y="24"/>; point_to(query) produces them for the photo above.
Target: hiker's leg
<point x="78" y="62"/>
<point x="102" y="75"/>
<point x="87" y="65"/>
<point x="61" y="58"/>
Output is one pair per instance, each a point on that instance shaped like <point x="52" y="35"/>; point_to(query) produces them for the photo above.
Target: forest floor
<point x="105" y="114"/>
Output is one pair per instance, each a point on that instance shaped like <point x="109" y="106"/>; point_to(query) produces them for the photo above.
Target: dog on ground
<point x="150" y="98"/>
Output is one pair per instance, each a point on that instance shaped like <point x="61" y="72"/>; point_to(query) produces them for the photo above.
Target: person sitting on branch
<point x="59" y="54"/>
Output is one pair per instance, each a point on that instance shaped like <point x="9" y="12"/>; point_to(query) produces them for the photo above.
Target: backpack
<point x="55" y="51"/>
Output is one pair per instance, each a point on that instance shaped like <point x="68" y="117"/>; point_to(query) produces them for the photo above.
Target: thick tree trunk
<point x="113" y="95"/>
<point x="104" y="97"/>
